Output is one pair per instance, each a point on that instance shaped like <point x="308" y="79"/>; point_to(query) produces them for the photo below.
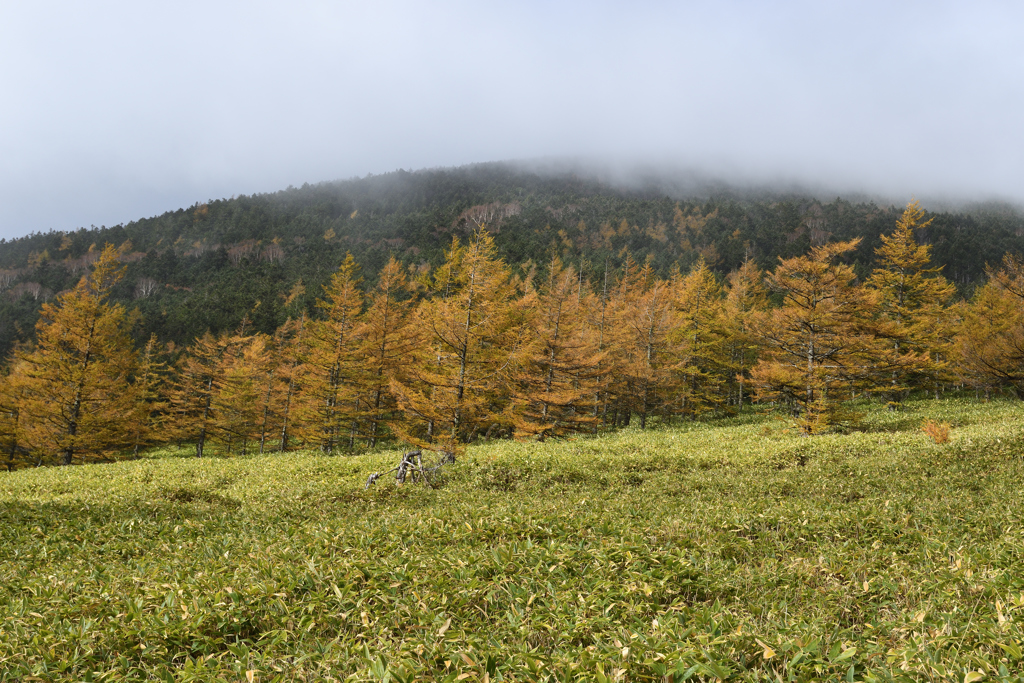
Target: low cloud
<point x="115" y="111"/>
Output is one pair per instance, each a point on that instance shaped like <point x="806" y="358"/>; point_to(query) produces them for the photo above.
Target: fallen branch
<point x="412" y="467"/>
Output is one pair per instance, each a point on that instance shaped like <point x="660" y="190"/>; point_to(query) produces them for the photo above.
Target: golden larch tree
<point x="243" y="392"/>
<point x="473" y="333"/>
<point x="329" y="402"/>
<point x="699" y="341"/>
<point x="640" y="341"/>
<point x="149" y="413"/>
<point x="553" y="389"/>
<point x="912" y="302"/>
<point x="745" y="297"/>
<point x="197" y="379"/>
<point x="989" y="343"/>
<point x="598" y="320"/>
<point x="818" y="346"/>
<point x="10" y="423"/>
<point x="77" y="398"/>
<point x="290" y="342"/>
<point x="387" y="342"/>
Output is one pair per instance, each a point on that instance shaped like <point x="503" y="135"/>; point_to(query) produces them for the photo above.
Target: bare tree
<point x="273" y="252"/>
<point x="242" y="250"/>
<point x="145" y="287"/>
<point x="32" y="289"/>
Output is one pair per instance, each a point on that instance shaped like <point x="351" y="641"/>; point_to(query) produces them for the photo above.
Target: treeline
<point x="209" y="266"/>
<point x="440" y="357"/>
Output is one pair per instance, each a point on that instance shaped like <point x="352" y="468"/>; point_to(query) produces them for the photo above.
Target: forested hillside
<point x="438" y="308"/>
<point x="477" y="348"/>
<point x="207" y="267"/>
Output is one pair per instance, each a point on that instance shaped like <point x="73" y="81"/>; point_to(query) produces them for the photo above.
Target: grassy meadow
<point x="732" y="550"/>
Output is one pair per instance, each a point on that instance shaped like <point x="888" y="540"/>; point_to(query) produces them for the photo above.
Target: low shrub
<point x="936" y="431"/>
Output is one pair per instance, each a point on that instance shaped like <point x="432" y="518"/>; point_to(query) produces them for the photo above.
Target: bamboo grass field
<point x="731" y="550"/>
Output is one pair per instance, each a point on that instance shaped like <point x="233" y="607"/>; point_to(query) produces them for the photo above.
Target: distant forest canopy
<point x="207" y="267"/>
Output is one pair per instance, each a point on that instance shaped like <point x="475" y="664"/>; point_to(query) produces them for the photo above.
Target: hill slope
<point x="208" y="266"/>
<point x="736" y="550"/>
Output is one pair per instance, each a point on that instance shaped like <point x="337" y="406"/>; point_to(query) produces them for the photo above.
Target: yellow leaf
<point x="973" y="676"/>
<point x="768" y="652"/>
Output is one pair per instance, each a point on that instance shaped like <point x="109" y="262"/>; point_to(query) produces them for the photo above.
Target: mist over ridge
<point x="625" y="177"/>
<point x="121" y="110"/>
<point x="682" y="182"/>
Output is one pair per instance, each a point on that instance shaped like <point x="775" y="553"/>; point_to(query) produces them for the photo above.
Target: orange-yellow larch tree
<point x="744" y="298"/>
<point x="329" y="400"/>
<point x="148" y="418"/>
<point x="77" y="398"/>
<point x="641" y="344"/>
<point x="198" y="376"/>
<point x="699" y="340"/>
<point x="10" y="424"/>
<point x="615" y="388"/>
<point x="599" y="320"/>
<point x="553" y="389"/>
<point x="912" y="302"/>
<point x="989" y="343"/>
<point x="818" y="346"/>
<point x="290" y="342"/>
<point x="387" y="342"/>
<point x="243" y="391"/>
<point x="473" y="335"/>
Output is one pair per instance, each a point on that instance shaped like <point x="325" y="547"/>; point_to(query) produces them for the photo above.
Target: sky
<point x="112" y="111"/>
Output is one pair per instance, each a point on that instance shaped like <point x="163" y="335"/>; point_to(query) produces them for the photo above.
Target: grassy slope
<point x="733" y="549"/>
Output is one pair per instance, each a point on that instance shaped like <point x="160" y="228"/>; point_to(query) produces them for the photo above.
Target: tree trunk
<point x="69" y="450"/>
<point x="201" y="443"/>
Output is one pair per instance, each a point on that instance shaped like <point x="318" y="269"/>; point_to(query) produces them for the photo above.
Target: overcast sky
<point x="111" y="111"/>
